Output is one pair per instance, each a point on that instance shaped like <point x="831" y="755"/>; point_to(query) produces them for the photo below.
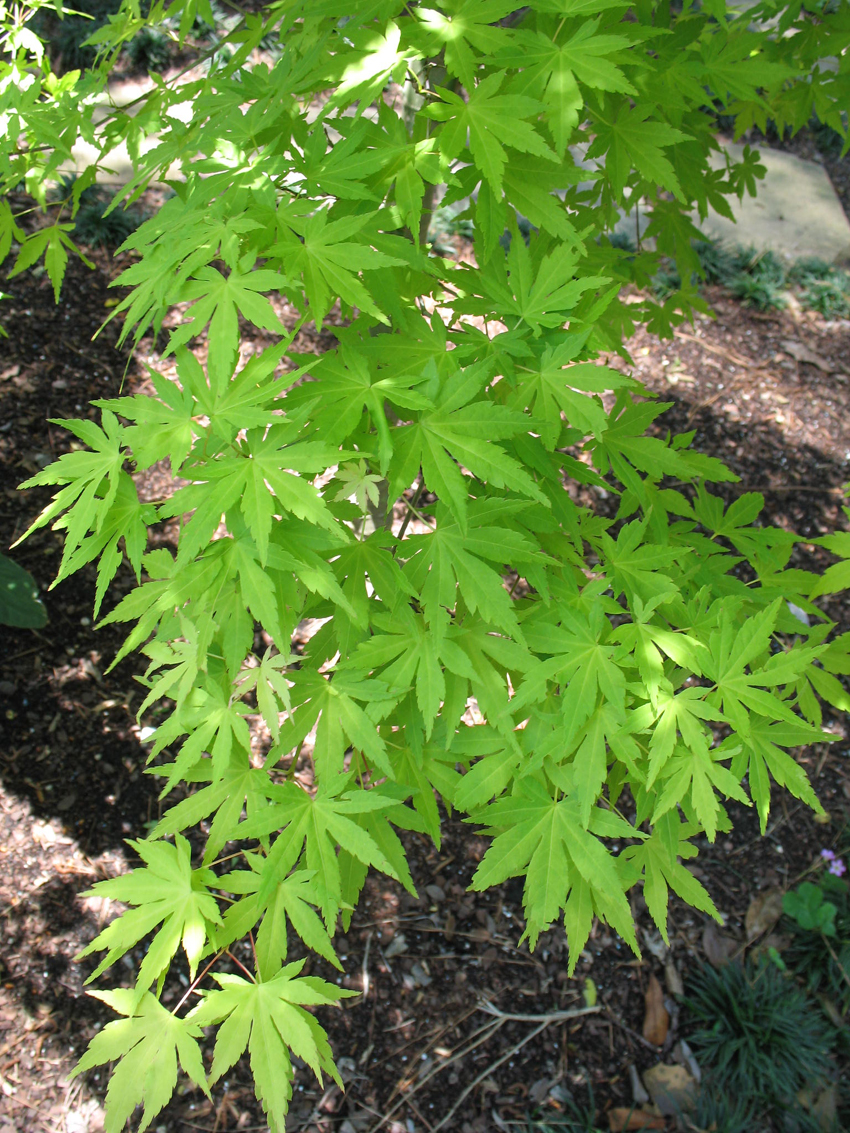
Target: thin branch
<point x="195" y="983"/>
<point x="410" y="507"/>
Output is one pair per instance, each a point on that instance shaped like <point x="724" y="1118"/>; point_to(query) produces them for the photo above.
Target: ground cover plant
<point x="757" y="1035"/>
<point x="818" y="913"/>
<point x="455" y="395"/>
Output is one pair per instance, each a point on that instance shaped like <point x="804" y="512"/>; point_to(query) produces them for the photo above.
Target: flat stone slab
<point x="797" y="212"/>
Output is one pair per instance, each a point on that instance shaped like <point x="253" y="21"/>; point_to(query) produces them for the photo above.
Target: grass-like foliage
<point x="759" y="279"/>
<point x="823" y="287"/>
<point x="149" y="50"/>
<point x="97" y="228"/>
<point x="756" y="1033"/>
<point x="723" y="1110"/>
<point x="560" y="678"/>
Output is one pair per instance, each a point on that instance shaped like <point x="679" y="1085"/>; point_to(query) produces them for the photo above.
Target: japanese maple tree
<point x="603" y="658"/>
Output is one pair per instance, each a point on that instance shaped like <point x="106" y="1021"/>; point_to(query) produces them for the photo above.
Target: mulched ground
<point x="422" y="1048"/>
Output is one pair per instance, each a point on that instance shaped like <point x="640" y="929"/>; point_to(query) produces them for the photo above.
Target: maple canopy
<point x="588" y="691"/>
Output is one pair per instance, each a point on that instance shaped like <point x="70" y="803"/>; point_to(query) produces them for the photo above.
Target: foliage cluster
<point x="589" y="692"/>
<point x="761" y="279"/>
<point x="819" y="916"/>
<point x="758" y="1037"/>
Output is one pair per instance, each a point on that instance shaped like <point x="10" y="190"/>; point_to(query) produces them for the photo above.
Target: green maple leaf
<point x="290" y="900"/>
<point x="545" y="840"/>
<point x="449" y="561"/>
<point x="219" y="300"/>
<point x="213" y="722"/>
<point x="92" y="480"/>
<point x="541" y="290"/>
<point x="317" y="825"/>
<point x="460" y="26"/>
<point x="494" y="763"/>
<point x="581" y="660"/>
<point x="331" y="704"/>
<point x="270" y="1020"/>
<point x="663" y="871"/>
<point x="167" y="891"/>
<point x="697" y="770"/>
<point x="624" y="447"/>
<point x="272" y="690"/>
<point x="636" y="567"/>
<point x="322" y="252"/>
<point x="670" y="715"/>
<point x="52" y="243"/>
<point x="551" y="387"/>
<point x="461" y="430"/>
<point x="631" y="140"/>
<point x="734" y="68"/>
<point x="166" y="424"/>
<point x="529" y="185"/>
<point x="734" y="648"/>
<point x="359" y="482"/>
<point x="240" y="785"/>
<point x="491" y="121"/>
<point x="369" y="567"/>
<point x="763" y="759"/>
<point x="344" y="385"/>
<point x="146" y="1046"/>
<point x="423" y="770"/>
<point x="272" y="457"/>
<point x="552" y="72"/>
<point x="127" y="518"/>
<point x="408" y="654"/>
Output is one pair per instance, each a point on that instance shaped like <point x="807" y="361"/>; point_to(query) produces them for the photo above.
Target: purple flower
<point x="827" y="855"/>
<point x="837" y="867"/>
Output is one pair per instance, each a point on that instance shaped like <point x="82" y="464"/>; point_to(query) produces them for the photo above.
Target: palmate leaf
<point x="450" y="563"/>
<point x="92" y="480"/>
<point x="148" y="1043"/>
<point x="219" y="300"/>
<point x="270" y="1019"/>
<point x="263" y="462"/>
<point x="461" y="429"/>
<point x="632" y="140"/>
<point x="551" y="70"/>
<point x="409" y="653"/>
<point x="289" y="900"/>
<point x="552" y="387"/>
<point x="167" y="891"/>
<point x="461" y="26"/>
<point x="541" y="291"/>
<point x="240" y="786"/>
<point x="491" y="121"/>
<point x="317" y="824"/>
<point x="329" y="261"/>
<point x="659" y="864"/>
<point x="546" y="840"/>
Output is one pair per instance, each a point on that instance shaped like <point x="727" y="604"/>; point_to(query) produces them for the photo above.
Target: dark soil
<point x="72" y="787"/>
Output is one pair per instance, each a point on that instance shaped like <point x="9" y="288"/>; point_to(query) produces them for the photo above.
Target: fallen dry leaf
<point x="801" y="353"/>
<point x="621" y="1119"/>
<point x="656" y="1021"/>
<point x="764" y="911"/>
<point x="672" y="1088"/>
<point x="717" y="947"/>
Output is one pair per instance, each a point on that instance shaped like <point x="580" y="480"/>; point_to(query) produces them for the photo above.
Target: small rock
<point x="639" y="1094"/>
<point x="420" y="975"/>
